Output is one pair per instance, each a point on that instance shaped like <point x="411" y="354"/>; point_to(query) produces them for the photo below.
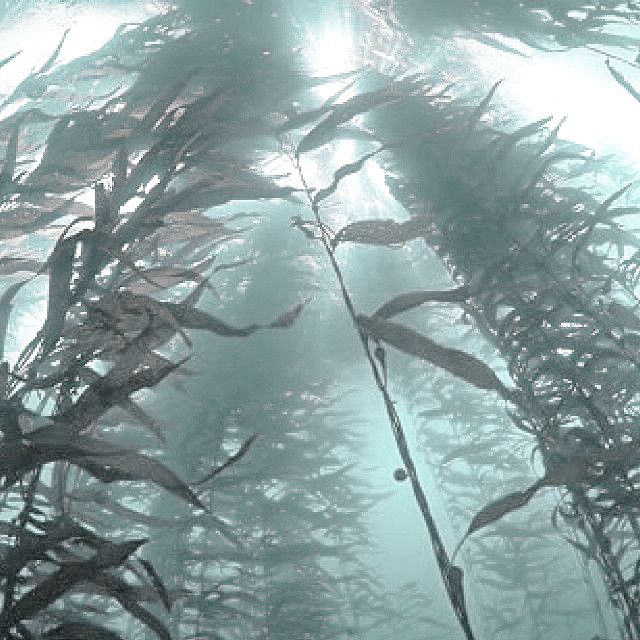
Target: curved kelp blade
<point x="623" y="82"/>
<point x="9" y="58"/>
<point x="9" y="163"/>
<point x="124" y="379"/>
<point x="107" y="462"/>
<point x="137" y="466"/>
<point x="122" y="592"/>
<point x="6" y="306"/>
<point x="460" y="364"/>
<point x="325" y="131"/>
<point x="287" y="318"/>
<point x="80" y="631"/>
<point x="482" y="107"/>
<point x="499" y="508"/>
<point x="158" y="585"/>
<point x="385" y="232"/>
<point x="511" y="139"/>
<point x="156" y="279"/>
<point x="192" y="318"/>
<point x="343" y="172"/>
<point x="307" y="117"/>
<point x="406" y="301"/>
<point x="59" y="295"/>
<point x="231" y="460"/>
<point x="54" y="56"/>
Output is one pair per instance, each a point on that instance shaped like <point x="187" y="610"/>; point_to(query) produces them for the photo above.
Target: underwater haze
<point x="319" y="320"/>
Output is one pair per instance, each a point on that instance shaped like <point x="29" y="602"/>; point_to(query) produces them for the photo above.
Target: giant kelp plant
<point x="135" y="181"/>
<point x="119" y="319"/>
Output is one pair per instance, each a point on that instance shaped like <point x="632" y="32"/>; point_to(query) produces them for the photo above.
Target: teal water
<point x="310" y="310"/>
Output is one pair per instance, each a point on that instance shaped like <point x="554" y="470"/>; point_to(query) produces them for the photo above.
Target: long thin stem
<point x="451" y="574"/>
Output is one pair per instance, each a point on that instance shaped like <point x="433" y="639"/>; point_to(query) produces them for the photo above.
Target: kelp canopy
<point x="306" y="332"/>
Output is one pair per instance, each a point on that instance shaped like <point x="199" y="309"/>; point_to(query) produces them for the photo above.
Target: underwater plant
<point x="226" y="512"/>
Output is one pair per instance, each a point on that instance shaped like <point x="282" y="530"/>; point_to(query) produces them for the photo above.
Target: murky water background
<point x="208" y="429"/>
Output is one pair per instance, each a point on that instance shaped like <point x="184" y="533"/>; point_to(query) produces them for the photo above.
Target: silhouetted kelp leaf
<point x="623" y="82"/>
<point x="158" y="585"/>
<point x="120" y="167"/>
<point x="459" y="363"/>
<point x="137" y="466"/>
<point x="140" y="415"/>
<point x="137" y="368"/>
<point x="341" y="173"/>
<point x="306" y="117"/>
<point x="104" y="218"/>
<point x="9" y="163"/>
<point x="66" y="577"/>
<point x="547" y="162"/>
<point x="60" y="272"/>
<point x="325" y="131"/>
<point x="588" y="551"/>
<point x="155" y="279"/>
<point x="385" y="231"/>
<point x="80" y="631"/>
<point x="481" y="108"/>
<point x="231" y="460"/>
<point x="499" y="508"/>
<point x="113" y="554"/>
<point x="105" y="461"/>
<point x="192" y="318"/>
<point x="287" y="318"/>
<point x="550" y="138"/>
<point x="9" y="58"/>
<point x="599" y="216"/>
<point x="507" y="142"/>
<point x="212" y="192"/>
<point x="5" y="310"/>
<point x="126" y="596"/>
<point x="406" y="301"/>
<point x="54" y="56"/>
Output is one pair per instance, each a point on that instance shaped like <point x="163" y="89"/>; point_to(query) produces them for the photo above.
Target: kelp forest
<point x="319" y="320"/>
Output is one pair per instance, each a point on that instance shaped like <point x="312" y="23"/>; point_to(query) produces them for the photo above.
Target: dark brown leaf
<point x="341" y="173"/>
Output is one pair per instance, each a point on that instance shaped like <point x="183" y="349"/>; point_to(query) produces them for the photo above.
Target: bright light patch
<point x="36" y="33"/>
<point x="331" y="49"/>
<point x="576" y="83"/>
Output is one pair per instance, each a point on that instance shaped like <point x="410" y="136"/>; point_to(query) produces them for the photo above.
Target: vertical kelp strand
<point x="452" y="575"/>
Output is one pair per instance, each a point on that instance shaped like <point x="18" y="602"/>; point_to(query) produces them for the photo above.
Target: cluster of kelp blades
<point x="104" y="326"/>
<point x="549" y="274"/>
<point x="551" y="277"/>
<point x="545" y="25"/>
<point x="162" y="145"/>
<point x="543" y="268"/>
<point x="155" y="157"/>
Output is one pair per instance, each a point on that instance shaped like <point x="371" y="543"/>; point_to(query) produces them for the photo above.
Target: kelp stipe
<point x="452" y="575"/>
